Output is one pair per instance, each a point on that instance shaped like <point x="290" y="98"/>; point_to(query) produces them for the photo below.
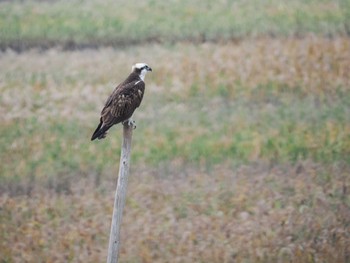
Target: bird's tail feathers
<point x="100" y="132"/>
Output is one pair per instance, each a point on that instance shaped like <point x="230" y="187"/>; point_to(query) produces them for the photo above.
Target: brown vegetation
<point x="261" y="214"/>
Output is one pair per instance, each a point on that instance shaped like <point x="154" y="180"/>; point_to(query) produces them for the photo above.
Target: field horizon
<point x="76" y="24"/>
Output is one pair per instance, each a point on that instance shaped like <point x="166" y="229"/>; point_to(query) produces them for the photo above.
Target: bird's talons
<point x="130" y="122"/>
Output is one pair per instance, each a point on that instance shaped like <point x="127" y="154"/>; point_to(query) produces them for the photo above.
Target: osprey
<point x="123" y="101"/>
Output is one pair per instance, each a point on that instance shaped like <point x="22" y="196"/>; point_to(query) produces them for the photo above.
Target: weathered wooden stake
<point x="120" y="195"/>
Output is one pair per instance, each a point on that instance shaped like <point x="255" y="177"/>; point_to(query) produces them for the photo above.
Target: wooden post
<point x="120" y="195"/>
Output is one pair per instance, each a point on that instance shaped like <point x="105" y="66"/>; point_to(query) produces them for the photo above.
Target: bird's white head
<point x="141" y="69"/>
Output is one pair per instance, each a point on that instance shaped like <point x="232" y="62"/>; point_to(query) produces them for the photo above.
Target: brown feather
<point x="121" y="104"/>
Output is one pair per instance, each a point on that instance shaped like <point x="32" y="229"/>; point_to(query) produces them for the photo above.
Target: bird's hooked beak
<point x="149" y="69"/>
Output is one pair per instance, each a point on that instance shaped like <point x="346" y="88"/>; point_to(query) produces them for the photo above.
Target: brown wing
<point x="123" y="102"/>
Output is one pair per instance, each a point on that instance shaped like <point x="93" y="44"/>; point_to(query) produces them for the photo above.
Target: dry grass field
<point x="242" y="146"/>
<point x="251" y="214"/>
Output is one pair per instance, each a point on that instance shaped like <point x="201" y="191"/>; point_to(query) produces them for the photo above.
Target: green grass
<point x="241" y="115"/>
<point x="93" y="23"/>
<point x="239" y="134"/>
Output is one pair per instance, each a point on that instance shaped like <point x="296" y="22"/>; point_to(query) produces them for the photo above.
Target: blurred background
<point x="242" y="146"/>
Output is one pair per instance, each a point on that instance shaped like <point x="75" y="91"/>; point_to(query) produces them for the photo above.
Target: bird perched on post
<point x="123" y="101"/>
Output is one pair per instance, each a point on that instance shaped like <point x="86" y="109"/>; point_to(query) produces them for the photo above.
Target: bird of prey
<point x="123" y="101"/>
